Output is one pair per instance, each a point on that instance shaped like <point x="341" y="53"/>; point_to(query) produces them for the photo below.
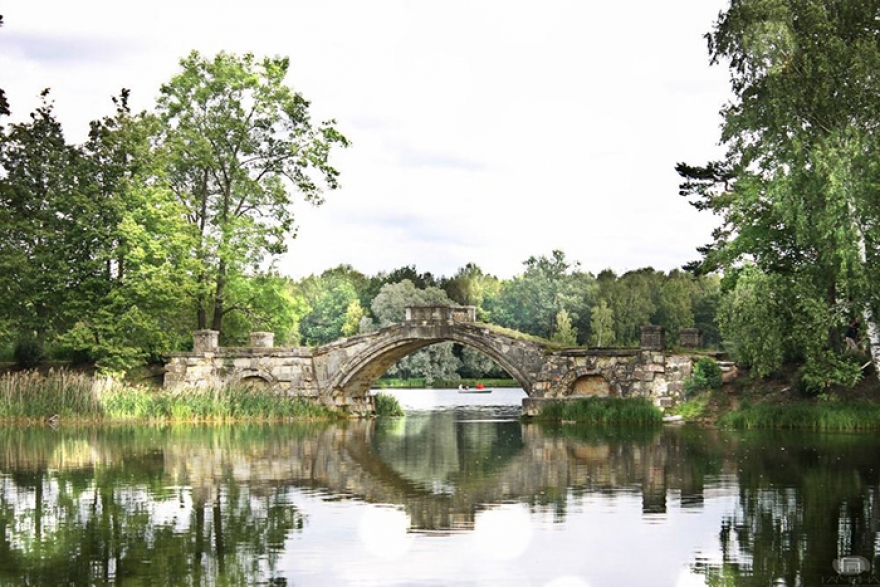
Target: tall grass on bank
<point x="843" y="417"/>
<point x="197" y="405"/>
<point x="29" y="395"/>
<point x="602" y="411"/>
<point x="32" y="396"/>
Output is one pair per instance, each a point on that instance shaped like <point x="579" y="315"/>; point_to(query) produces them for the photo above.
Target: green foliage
<point x="796" y="192"/>
<point x="825" y="416"/>
<point x="28" y="352"/>
<point x="706" y="375"/>
<point x="530" y="302"/>
<point x="564" y="333"/>
<point x="753" y="321"/>
<point x="637" y="411"/>
<point x="387" y="405"/>
<point x="632" y="299"/>
<point x="32" y="396"/>
<point x="333" y="305"/>
<point x="602" y="325"/>
<point x="694" y="407"/>
<point x="226" y="404"/>
<point x="238" y="144"/>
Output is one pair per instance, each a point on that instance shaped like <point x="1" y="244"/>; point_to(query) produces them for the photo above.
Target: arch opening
<point x="368" y="367"/>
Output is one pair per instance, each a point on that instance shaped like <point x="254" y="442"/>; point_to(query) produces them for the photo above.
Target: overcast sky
<point x="482" y="131"/>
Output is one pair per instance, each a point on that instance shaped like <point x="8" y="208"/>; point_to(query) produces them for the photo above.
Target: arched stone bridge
<point x="341" y="373"/>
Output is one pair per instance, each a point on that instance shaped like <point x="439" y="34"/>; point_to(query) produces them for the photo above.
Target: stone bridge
<point x="340" y="374"/>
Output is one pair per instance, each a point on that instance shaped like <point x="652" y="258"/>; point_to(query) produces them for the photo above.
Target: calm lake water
<point x="457" y="493"/>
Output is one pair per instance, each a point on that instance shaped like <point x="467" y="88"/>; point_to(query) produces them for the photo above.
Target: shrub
<point x="28" y="353"/>
<point x="387" y="405"/>
<point x="706" y="375"/>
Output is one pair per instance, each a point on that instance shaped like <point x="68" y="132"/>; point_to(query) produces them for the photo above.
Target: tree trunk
<point x="217" y="321"/>
<point x="871" y="329"/>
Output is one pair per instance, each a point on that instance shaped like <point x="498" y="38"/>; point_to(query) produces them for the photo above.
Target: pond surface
<point x="457" y="493"/>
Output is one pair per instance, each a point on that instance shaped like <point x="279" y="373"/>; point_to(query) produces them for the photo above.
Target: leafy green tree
<point x="265" y="302"/>
<point x="238" y="145"/>
<point x="530" y="302"/>
<point x="49" y="225"/>
<point x="470" y="286"/>
<point x="632" y="299"/>
<point x="564" y="333"/>
<point x="330" y="301"/>
<point x="134" y="305"/>
<point x="796" y="189"/>
<point x="674" y="303"/>
<point x="602" y="325"/>
<point x="352" y="319"/>
<point x="477" y="364"/>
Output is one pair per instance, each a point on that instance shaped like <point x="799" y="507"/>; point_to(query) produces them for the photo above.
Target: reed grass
<point x="30" y="395"/>
<point x="602" y="411"/>
<point x="843" y="417"/>
<point x="34" y="396"/>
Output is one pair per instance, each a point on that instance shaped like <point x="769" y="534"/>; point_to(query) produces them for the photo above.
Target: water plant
<point x="387" y="405"/>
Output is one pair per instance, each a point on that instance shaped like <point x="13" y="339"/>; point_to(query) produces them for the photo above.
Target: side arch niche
<point x="593" y="385"/>
<point x="254" y="380"/>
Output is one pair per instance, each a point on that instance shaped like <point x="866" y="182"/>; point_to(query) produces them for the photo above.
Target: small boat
<point x="466" y="389"/>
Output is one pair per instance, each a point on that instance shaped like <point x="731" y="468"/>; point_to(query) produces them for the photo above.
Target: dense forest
<point x="165" y="221"/>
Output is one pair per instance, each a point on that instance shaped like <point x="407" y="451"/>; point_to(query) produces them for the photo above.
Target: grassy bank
<point x="602" y="411"/>
<point x="32" y="396"/>
<point x="844" y="417"/>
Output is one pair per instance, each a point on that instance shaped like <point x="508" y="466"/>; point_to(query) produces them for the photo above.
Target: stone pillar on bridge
<point x="652" y="337"/>
<point x="206" y="341"/>
<point x="262" y="340"/>
<point x="690" y="337"/>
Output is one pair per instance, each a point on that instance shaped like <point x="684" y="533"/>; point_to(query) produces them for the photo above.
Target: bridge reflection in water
<point x="222" y="504"/>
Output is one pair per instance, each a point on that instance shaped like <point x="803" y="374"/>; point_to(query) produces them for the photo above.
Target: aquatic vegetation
<point x="387" y="405"/>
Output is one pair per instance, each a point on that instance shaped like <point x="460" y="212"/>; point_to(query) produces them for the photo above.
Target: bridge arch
<point x="396" y="342"/>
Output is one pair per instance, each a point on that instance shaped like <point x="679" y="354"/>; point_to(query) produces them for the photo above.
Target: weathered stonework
<point x="341" y="373"/>
<point x="690" y="338"/>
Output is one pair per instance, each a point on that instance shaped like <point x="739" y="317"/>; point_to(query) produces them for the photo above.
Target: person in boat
<point x="480" y="386"/>
<point x="463" y="388"/>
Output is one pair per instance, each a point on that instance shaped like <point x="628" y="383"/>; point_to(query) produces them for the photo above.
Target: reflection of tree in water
<point x="95" y="517"/>
<point x="804" y="500"/>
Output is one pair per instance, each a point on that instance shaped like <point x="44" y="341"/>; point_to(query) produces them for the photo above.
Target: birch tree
<point x="797" y="189"/>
